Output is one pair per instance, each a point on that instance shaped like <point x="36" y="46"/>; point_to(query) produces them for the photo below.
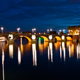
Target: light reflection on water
<point x="50" y="52"/>
<point x="3" y="63"/>
<point x="34" y="54"/>
<point x="63" y="48"/>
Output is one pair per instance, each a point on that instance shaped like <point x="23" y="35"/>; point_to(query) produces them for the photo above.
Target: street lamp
<point x="2" y="29"/>
<point x="50" y="29"/>
<point x="64" y="30"/>
<point x="18" y="29"/>
<point x="59" y="30"/>
<point x="47" y="30"/>
<point x="34" y="29"/>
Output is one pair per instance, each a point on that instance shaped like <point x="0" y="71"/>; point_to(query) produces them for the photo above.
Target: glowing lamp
<point x="50" y="37"/>
<point x="63" y="37"/>
<point x="33" y="37"/>
<point x="10" y="36"/>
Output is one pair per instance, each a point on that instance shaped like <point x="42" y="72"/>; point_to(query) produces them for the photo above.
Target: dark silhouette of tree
<point x="53" y="32"/>
<point x="61" y="33"/>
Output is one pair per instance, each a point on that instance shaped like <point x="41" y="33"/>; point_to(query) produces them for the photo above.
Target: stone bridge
<point x="34" y="37"/>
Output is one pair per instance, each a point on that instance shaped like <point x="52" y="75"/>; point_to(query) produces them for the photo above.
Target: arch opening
<point x="29" y="39"/>
<point x="58" y="38"/>
<point x="45" y="38"/>
<point x="42" y="39"/>
<point x="68" y="38"/>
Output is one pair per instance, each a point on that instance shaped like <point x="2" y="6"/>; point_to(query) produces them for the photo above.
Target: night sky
<point x="39" y="14"/>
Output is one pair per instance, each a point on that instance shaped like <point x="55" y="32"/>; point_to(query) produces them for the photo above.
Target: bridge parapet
<point x="30" y="37"/>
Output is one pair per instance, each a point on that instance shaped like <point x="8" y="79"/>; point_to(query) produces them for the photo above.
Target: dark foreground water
<point x="41" y="61"/>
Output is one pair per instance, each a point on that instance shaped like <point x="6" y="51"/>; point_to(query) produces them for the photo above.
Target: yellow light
<point x="33" y="37"/>
<point x="50" y="37"/>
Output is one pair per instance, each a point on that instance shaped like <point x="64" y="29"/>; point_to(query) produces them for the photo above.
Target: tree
<point x="53" y="32"/>
<point x="61" y="33"/>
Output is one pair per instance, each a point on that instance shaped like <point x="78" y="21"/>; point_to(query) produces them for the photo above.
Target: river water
<point x="39" y="61"/>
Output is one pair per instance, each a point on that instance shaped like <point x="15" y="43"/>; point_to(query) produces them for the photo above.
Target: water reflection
<point x="3" y="62"/>
<point x="63" y="49"/>
<point x="34" y="54"/>
<point x="50" y="52"/>
<point x="78" y="51"/>
<point x="60" y="51"/>
<point x="21" y="45"/>
<point x="57" y="45"/>
<point x="70" y="47"/>
<point x="41" y="48"/>
<point x="11" y="50"/>
<point x="69" y="51"/>
<point x="19" y="56"/>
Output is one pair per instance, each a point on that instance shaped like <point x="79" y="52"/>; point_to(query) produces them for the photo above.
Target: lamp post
<point x="64" y="30"/>
<point x="2" y="29"/>
<point x="50" y="29"/>
<point x="59" y="30"/>
<point x="18" y="29"/>
<point x="34" y="29"/>
<point x="47" y="30"/>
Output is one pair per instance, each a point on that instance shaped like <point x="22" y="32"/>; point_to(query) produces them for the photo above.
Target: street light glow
<point x="47" y="30"/>
<point x="34" y="29"/>
<point x="59" y="30"/>
<point x="18" y="29"/>
<point x="63" y="30"/>
<point x="50" y="29"/>
<point x="2" y="29"/>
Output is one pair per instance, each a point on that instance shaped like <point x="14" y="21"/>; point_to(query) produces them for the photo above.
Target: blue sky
<point x="39" y="14"/>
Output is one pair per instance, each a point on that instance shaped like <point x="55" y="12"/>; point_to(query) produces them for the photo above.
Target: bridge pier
<point x="33" y="41"/>
<point x="63" y="38"/>
<point x="10" y="38"/>
<point x="11" y="41"/>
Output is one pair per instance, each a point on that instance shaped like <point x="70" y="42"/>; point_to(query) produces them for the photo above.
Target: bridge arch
<point x="29" y="39"/>
<point x="68" y="38"/>
<point x="44" y="37"/>
<point x="58" y="38"/>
